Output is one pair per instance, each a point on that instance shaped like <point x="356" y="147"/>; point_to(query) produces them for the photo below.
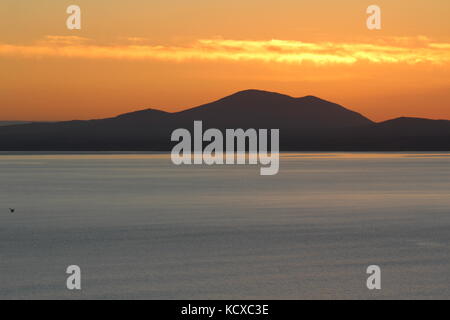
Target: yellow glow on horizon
<point x="407" y="51"/>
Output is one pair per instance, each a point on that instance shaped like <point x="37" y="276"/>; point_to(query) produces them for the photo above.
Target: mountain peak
<point x="255" y="94"/>
<point x="252" y="94"/>
<point x="261" y="109"/>
<point x="310" y="98"/>
<point x="141" y="113"/>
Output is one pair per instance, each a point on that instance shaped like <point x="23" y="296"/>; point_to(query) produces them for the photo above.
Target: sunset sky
<point x="176" y="54"/>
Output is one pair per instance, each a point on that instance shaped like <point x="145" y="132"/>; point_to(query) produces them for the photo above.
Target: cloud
<point x="385" y="51"/>
<point x="135" y="39"/>
<point x="63" y="40"/>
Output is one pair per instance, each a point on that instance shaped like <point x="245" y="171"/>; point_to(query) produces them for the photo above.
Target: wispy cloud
<point x="394" y="50"/>
<point x="62" y="40"/>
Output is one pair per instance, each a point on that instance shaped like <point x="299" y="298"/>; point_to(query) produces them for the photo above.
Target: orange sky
<point x="175" y="54"/>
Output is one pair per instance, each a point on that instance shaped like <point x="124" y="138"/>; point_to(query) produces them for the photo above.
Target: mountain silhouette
<point x="261" y="109"/>
<point x="307" y="123"/>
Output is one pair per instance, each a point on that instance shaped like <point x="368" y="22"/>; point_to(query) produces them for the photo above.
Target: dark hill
<point x="261" y="109"/>
<point x="307" y="123"/>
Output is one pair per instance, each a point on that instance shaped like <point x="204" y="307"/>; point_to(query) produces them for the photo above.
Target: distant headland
<point x="306" y="124"/>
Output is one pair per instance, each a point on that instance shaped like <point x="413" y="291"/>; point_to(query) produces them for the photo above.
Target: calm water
<point x="140" y="227"/>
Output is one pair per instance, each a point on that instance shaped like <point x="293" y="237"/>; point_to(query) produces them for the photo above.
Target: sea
<point x="140" y="227"/>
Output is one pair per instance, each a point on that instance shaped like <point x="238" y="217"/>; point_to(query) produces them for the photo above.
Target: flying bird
<point x="12" y="210"/>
